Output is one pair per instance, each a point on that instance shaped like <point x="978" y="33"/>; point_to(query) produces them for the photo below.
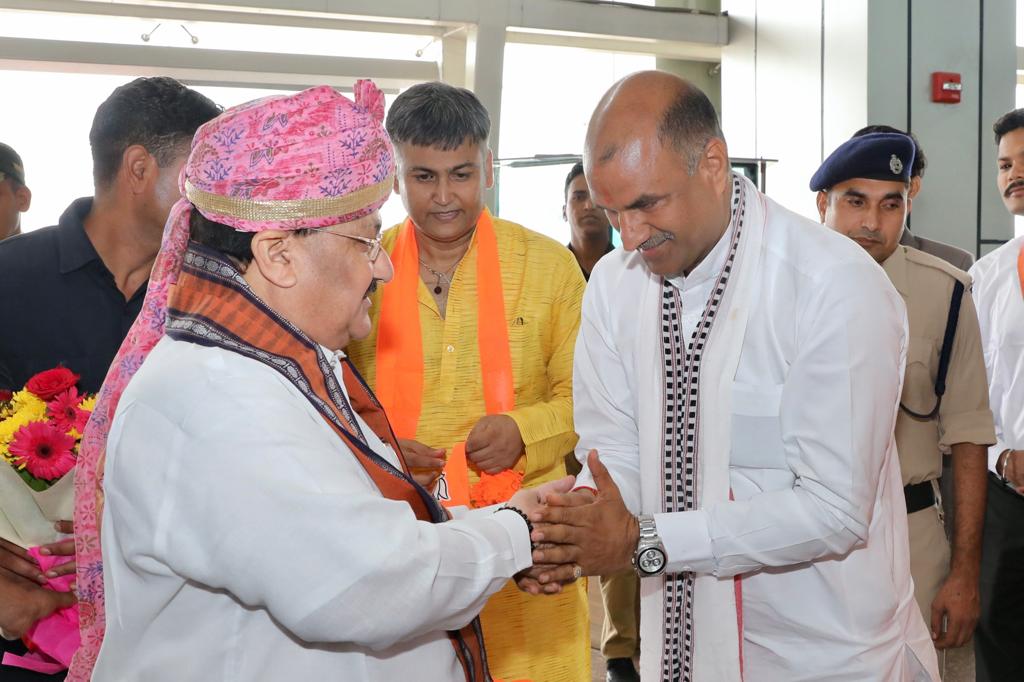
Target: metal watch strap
<point x="649" y="542"/>
<point x="648" y="529"/>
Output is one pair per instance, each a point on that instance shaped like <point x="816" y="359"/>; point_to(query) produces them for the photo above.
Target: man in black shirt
<point x="590" y="232"/>
<point x="15" y="196"/>
<point x="70" y="292"/>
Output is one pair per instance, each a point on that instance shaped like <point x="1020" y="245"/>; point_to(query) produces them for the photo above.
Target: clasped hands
<point x="23" y="600"/>
<point x="576" y="533"/>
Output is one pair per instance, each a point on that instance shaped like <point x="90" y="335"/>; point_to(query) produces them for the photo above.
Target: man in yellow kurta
<point x="472" y="346"/>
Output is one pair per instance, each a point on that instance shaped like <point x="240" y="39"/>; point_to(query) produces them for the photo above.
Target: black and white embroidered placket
<point x="680" y="461"/>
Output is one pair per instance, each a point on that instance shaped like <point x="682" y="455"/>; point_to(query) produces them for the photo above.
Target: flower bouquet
<point x="40" y="431"/>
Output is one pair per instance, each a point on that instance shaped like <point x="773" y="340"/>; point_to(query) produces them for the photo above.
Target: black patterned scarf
<point x="681" y="426"/>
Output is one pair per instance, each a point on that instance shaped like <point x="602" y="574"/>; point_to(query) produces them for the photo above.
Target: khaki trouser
<point x="929" y="557"/>
<point x="620" y="633"/>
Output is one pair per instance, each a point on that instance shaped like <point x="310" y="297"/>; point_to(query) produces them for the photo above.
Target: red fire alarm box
<point x="946" y="87"/>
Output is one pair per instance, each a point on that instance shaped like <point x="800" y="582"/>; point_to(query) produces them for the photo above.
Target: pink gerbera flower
<point x="44" y="450"/>
<point x="63" y="409"/>
<point x="81" y="419"/>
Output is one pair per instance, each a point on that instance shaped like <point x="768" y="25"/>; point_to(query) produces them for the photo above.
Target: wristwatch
<point x="649" y="559"/>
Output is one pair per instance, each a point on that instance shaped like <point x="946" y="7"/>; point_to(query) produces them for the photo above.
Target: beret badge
<point x="895" y="165"/>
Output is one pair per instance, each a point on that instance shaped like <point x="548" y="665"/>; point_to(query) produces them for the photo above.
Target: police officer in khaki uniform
<point x="863" y="193"/>
<point x="953" y="255"/>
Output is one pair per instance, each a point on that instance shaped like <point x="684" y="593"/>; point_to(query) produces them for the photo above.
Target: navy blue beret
<point x="875" y="156"/>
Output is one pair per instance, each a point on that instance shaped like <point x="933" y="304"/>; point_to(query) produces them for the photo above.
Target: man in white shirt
<point x="259" y="521"/>
<point x="738" y="370"/>
<point x="999" y="297"/>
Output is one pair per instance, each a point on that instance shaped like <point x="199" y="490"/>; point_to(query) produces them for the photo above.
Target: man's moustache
<point x="372" y="288"/>
<point x="657" y="240"/>
<point x="866" y="237"/>
<point x="1014" y="186"/>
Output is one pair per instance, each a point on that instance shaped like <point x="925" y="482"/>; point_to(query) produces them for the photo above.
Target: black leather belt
<point x="919" y="496"/>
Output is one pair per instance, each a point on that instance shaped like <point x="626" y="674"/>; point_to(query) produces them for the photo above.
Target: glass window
<point x="1020" y="23"/>
<point x="51" y="133"/>
<point x="549" y="115"/>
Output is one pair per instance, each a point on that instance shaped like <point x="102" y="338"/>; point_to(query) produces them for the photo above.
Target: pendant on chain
<point x="440" y="276"/>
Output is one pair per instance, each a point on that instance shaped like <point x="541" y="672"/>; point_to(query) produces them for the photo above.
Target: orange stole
<point x="256" y="327"/>
<point x="1020" y="268"/>
<point x="400" y="357"/>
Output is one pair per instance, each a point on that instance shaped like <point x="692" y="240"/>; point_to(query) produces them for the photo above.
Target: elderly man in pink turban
<point x="258" y="519"/>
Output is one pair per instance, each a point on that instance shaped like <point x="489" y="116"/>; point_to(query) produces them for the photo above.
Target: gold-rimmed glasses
<point x="373" y="246"/>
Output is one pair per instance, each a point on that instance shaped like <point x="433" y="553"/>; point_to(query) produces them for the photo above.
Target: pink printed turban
<point x="308" y="160"/>
<point x="287" y="162"/>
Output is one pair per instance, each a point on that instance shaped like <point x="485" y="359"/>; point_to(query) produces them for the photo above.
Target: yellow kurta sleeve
<point x="546" y="426"/>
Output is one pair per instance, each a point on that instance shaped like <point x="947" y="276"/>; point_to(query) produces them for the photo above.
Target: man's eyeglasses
<point x="373" y="246"/>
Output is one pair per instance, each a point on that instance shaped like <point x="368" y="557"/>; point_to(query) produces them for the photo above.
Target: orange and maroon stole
<point x="212" y="305"/>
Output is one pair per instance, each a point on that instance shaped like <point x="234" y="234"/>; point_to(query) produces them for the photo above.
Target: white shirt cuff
<point x="515" y="526"/>
<point x="993" y="454"/>
<point x="687" y="542"/>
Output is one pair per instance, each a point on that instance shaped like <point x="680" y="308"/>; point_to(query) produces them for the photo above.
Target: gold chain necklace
<point x="443" y="277"/>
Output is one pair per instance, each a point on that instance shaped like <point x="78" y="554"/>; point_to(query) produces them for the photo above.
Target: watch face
<point x="651" y="560"/>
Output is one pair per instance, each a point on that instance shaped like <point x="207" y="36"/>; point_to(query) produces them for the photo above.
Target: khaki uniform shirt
<point x="953" y="255"/>
<point x="926" y="284"/>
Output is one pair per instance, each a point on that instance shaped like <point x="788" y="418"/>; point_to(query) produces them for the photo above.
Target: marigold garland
<point x="495" y="488"/>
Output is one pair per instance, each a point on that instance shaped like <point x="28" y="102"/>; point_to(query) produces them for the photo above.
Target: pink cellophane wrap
<point x="316" y="145"/>
<point x="54" y="639"/>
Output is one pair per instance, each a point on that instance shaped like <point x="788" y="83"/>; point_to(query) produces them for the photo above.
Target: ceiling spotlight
<point x="146" y="36"/>
<point x="434" y="39"/>
<point x="195" y="39"/>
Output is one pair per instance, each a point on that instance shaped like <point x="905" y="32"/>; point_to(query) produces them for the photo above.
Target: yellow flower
<point x="26" y="408"/>
<point x="88" y="403"/>
<point x="26" y="400"/>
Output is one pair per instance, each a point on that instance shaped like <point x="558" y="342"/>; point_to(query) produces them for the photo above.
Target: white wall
<point x="799" y="77"/>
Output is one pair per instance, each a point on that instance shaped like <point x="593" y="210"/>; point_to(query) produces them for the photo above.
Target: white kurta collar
<point x="713" y="263"/>
<point x="335" y="357"/>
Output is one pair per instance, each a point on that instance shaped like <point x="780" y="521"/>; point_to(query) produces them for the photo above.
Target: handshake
<point x="576" y="533"/>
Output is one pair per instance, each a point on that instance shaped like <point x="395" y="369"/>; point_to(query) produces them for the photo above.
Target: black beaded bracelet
<point x="517" y="510"/>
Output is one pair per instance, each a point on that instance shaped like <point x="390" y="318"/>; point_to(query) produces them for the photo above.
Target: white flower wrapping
<point x="27" y="516"/>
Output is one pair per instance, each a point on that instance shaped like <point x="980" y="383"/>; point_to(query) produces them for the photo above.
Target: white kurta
<point x="804" y="416"/>
<point x="242" y="541"/>
<point x="1000" y="304"/>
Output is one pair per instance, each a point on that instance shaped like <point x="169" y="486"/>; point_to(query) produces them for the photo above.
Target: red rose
<point x="46" y="385"/>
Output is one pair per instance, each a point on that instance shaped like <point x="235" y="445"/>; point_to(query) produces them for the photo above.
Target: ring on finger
<point x="577" y="572"/>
